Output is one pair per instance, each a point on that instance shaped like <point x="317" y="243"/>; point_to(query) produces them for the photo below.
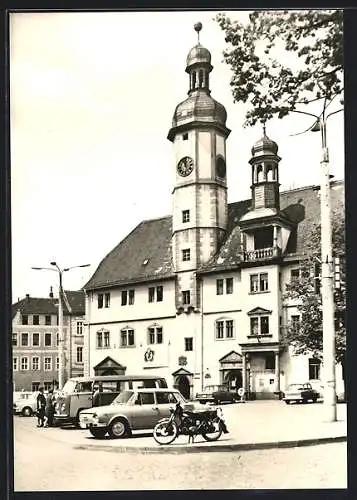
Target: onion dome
<point x="198" y="55"/>
<point x="199" y="106"/>
<point x="264" y="146"/>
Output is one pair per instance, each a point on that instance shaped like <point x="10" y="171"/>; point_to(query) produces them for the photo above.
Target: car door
<point x="145" y="411"/>
<point x="165" y="400"/>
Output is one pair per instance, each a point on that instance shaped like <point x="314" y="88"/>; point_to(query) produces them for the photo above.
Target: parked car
<point x="25" y="403"/>
<point x="217" y="394"/>
<point x="136" y="409"/>
<point x="300" y="393"/>
<point x="340" y="393"/>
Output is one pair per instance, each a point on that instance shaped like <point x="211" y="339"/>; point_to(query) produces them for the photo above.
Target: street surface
<point x="48" y="460"/>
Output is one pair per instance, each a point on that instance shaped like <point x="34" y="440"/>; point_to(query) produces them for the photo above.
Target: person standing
<point x="41" y="405"/>
<point x="49" y="409"/>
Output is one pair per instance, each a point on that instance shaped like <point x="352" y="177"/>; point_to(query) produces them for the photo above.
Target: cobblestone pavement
<point x="44" y="464"/>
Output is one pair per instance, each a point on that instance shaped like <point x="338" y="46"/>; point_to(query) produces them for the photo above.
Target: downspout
<point x="202" y="350"/>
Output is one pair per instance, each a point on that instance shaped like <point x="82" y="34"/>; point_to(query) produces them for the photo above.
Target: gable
<point x="258" y="310"/>
<point x="231" y="357"/>
<point x="109" y="362"/>
<point x="181" y="371"/>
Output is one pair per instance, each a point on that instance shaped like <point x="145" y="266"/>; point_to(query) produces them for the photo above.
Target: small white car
<point x="25" y="403"/>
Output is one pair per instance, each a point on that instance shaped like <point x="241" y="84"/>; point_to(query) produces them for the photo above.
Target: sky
<point x="92" y="95"/>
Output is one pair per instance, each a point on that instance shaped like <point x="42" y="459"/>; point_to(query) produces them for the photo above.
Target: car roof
<point x="152" y="389"/>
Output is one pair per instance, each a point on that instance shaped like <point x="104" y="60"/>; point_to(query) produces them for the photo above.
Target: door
<point x="145" y="412"/>
<point x="165" y="401"/>
<point x="183" y="385"/>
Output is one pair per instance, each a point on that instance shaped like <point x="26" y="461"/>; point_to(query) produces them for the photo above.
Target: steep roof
<point x="145" y="254"/>
<point x="48" y="305"/>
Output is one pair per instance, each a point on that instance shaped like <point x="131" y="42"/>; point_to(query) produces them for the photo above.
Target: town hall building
<point x="198" y="296"/>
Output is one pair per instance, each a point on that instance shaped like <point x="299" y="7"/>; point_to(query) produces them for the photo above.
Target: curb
<point x="169" y="449"/>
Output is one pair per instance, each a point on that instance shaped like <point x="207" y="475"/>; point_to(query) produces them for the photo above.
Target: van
<point x="80" y="393"/>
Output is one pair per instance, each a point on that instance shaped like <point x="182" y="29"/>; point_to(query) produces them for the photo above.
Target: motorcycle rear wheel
<point x="216" y="434"/>
<point x="165" y="432"/>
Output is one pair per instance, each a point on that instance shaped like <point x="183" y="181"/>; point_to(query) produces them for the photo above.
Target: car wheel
<point x="314" y="400"/>
<point x="119" y="428"/>
<point x="216" y="401"/>
<point x="27" y="411"/>
<point x="287" y="401"/>
<point x="98" y="432"/>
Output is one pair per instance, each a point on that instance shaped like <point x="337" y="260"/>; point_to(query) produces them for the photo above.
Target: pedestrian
<point x="49" y="409"/>
<point x="97" y="394"/>
<point x="41" y="405"/>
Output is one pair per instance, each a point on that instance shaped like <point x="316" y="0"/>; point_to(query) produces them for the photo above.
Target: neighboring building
<point x="35" y="340"/>
<point x="198" y="296"/>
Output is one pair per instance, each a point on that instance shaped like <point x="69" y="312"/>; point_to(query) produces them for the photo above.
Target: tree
<point x="311" y="42"/>
<point x="305" y="337"/>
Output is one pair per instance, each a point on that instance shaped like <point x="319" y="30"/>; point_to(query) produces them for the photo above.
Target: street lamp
<point x="327" y="274"/>
<point x="61" y="358"/>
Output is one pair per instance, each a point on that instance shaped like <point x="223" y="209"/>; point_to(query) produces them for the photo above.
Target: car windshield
<point x="123" y="397"/>
<point x="69" y="386"/>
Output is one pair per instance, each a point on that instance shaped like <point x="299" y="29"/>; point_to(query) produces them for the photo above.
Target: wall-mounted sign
<point x="149" y="355"/>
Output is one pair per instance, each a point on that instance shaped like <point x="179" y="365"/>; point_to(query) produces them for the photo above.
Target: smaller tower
<point x="265" y="174"/>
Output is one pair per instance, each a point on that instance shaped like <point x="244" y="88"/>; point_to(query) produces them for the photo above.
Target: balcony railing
<point x="261" y="254"/>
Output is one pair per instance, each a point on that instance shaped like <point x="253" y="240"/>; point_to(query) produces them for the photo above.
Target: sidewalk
<point x="253" y="425"/>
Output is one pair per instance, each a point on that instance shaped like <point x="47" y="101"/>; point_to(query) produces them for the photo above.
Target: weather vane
<point x="198" y="27"/>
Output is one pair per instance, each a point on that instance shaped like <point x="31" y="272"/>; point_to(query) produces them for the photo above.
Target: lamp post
<point x="327" y="274"/>
<point x="57" y="269"/>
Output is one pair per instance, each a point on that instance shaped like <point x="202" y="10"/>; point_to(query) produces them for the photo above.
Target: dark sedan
<point x="300" y="393"/>
<point x="217" y="394"/>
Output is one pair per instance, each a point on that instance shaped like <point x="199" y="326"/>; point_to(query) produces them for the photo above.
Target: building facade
<point x="198" y="296"/>
<point x="35" y="340"/>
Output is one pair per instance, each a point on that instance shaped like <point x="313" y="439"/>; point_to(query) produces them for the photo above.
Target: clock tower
<point x="198" y="134"/>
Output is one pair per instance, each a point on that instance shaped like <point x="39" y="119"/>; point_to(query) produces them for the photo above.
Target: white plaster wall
<point x="225" y="302"/>
<point x="184" y="199"/>
<point x="205" y="155"/>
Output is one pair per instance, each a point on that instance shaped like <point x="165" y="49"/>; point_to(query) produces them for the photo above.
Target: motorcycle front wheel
<point x="165" y="432"/>
<point x="215" y="430"/>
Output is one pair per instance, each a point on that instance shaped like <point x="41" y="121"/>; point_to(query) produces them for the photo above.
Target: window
<point x="295" y="322"/>
<point x="35" y="339"/>
<point x="314" y="369"/>
<point x="131" y="297"/>
<point x="186" y="254"/>
<point x="35" y="386"/>
<point x="36" y="363"/>
<point x="164" y="398"/>
<point x="156" y="292"/>
<point x="259" y="325"/>
<point x="57" y="363"/>
<point x="151" y="294"/>
<point x="47" y="386"/>
<point x="47" y="320"/>
<point x="224" y="329"/>
<point x="14" y="339"/>
<point x="103" y="339"/>
<point x="270" y="361"/>
<point x="155" y="335"/>
<point x="79" y="354"/>
<point x="219" y="287"/>
<point x="185" y="216"/>
<point x="36" y="319"/>
<point x="25" y="319"/>
<point x="124" y="297"/>
<point x="229" y="286"/>
<point x="24" y="339"/>
<point x="24" y="363"/>
<point x="100" y="300"/>
<point x="185" y="137"/>
<point x="188" y="344"/>
<point x="107" y="300"/>
<point x="258" y="282"/>
<point x="127" y="338"/>
<point x="57" y="339"/>
<point x="48" y="339"/>
<point x="294" y="275"/>
<point x="145" y="398"/>
<point x="48" y="364"/>
<point x="186" y="297"/>
<point x="15" y="364"/>
<point x="79" y="327"/>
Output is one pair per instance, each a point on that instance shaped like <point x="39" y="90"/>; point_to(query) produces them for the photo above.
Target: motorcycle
<point x="209" y="424"/>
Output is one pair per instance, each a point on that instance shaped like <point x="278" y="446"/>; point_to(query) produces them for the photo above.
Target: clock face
<point x="185" y="166"/>
<point x="220" y="167"/>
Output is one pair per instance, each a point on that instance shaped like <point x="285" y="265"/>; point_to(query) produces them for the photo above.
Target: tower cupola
<point x="265" y="174"/>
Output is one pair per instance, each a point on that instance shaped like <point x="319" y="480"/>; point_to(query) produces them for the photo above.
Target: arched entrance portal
<point x="233" y="379"/>
<point x="183" y="385"/>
